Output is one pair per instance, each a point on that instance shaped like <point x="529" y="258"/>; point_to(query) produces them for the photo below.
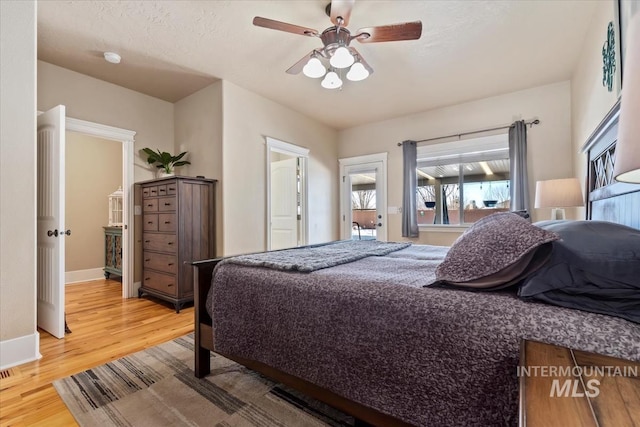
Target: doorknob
<point x="52" y="233"/>
<point x="379" y="224"/>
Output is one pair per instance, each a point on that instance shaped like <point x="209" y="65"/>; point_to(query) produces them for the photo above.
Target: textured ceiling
<point x="468" y="50"/>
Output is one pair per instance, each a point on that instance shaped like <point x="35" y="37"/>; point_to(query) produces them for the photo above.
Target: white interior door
<point x="284" y="203"/>
<point x="50" y="219"/>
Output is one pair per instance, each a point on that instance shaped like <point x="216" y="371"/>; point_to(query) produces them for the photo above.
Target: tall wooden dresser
<point x="178" y="228"/>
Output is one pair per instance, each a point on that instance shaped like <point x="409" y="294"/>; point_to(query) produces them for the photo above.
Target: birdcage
<point x="115" y="208"/>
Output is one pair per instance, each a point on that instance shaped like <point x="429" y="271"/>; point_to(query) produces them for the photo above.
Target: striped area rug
<point x="156" y="387"/>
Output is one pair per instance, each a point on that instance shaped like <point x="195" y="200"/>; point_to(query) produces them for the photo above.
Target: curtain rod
<point x="529" y="122"/>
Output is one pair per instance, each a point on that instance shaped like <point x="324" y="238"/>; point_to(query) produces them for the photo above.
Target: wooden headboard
<point x="607" y="199"/>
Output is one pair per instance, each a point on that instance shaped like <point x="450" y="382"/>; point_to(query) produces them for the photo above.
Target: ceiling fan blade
<point x="342" y="9"/>
<point x="390" y="33"/>
<point x="258" y="21"/>
<point x="298" y="66"/>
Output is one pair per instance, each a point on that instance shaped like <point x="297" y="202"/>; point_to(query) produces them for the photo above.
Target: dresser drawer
<point x="150" y="191"/>
<point x="167" y="204"/>
<point x="165" y="283"/>
<point x="150" y="222"/>
<point x="161" y="262"/>
<point x="160" y="242"/>
<point x="162" y="190"/>
<point x="167" y="222"/>
<point x="172" y="189"/>
<point x="150" y="205"/>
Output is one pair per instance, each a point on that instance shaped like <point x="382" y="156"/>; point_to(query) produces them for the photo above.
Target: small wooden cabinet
<point x="112" y="251"/>
<point x="177" y="228"/>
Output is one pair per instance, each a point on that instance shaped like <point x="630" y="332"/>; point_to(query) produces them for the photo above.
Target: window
<point x="460" y="182"/>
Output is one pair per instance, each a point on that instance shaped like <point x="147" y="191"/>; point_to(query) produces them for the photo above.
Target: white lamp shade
<point x="558" y="193"/>
<point x="314" y="68"/>
<point x="357" y="72"/>
<point x="342" y="58"/>
<point x="627" y="164"/>
<point x="331" y="81"/>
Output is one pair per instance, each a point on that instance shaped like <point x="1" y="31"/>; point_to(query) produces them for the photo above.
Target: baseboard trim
<point x="83" y="275"/>
<point x="19" y="350"/>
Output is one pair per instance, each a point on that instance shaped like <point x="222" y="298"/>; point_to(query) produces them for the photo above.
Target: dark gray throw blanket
<point x="314" y="258"/>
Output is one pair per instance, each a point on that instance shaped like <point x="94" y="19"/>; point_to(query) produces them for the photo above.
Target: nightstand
<point x="565" y="387"/>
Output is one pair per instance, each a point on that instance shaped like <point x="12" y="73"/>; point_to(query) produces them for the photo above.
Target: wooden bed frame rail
<point x="202" y="277"/>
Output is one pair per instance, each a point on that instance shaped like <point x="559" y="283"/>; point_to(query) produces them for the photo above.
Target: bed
<point x="367" y="338"/>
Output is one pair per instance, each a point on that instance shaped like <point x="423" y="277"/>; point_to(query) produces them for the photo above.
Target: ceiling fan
<point x="336" y="41"/>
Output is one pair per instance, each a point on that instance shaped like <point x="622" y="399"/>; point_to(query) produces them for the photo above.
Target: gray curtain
<point x="409" y="183"/>
<point x="519" y="185"/>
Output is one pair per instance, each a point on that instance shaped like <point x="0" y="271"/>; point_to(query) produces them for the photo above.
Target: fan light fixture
<point x="357" y="72"/>
<point x="341" y="59"/>
<point x="331" y="81"/>
<point x="314" y="68"/>
<point x="344" y="60"/>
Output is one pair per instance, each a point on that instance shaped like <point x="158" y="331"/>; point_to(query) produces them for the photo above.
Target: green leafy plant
<point x="164" y="160"/>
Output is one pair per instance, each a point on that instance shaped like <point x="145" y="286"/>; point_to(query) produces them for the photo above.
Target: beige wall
<point x="97" y="101"/>
<point x="248" y="119"/>
<point x="549" y="144"/>
<point x="93" y="171"/>
<point x="198" y="130"/>
<point x="590" y="100"/>
<point x="17" y="174"/>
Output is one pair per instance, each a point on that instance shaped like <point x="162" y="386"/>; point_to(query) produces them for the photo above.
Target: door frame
<point x="126" y="137"/>
<point x="279" y="146"/>
<point x="345" y="194"/>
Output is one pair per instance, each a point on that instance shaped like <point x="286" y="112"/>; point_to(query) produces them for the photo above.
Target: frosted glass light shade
<point x="314" y="68"/>
<point x="342" y="58"/>
<point x="357" y="72"/>
<point x="331" y="81"/>
<point x="627" y="165"/>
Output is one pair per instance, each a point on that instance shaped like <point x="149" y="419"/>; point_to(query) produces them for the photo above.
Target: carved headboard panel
<point x="608" y="200"/>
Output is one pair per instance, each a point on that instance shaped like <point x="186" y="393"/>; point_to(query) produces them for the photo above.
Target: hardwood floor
<point x="104" y="328"/>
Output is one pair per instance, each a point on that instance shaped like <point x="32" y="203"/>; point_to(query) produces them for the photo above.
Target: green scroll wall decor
<point x="609" y="58"/>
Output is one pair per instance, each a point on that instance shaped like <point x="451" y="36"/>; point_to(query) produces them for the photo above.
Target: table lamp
<point x="627" y="163"/>
<point x="558" y="194"/>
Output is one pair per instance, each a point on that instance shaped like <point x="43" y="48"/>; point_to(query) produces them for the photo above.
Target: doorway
<point x="126" y="139"/>
<point x="363" y="201"/>
<point x="286" y="195"/>
<point x="88" y="187"/>
<point x="52" y="127"/>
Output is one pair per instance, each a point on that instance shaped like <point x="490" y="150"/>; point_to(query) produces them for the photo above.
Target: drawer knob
<point x="170" y="264"/>
<point x="167" y="204"/>
<point x="171" y="188"/>
<point x="147" y="260"/>
<point x="167" y="222"/>
<point x="170" y="285"/>
<point x="147" y="278"/>
<point x="150" y="205"/>
<point x="147" y="241"/>
<point x="169" y="243"/>
<point x="149" y="222"/>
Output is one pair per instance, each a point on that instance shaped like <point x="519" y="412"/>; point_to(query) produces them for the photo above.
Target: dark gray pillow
<point x="496" y="251"/>
<point x="595" y="267"/>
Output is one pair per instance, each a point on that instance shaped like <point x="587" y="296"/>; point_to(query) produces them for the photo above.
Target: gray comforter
<point x="371" y="332"/>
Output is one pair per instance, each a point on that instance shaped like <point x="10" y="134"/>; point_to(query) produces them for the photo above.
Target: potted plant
<point x="165" y="161"/>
